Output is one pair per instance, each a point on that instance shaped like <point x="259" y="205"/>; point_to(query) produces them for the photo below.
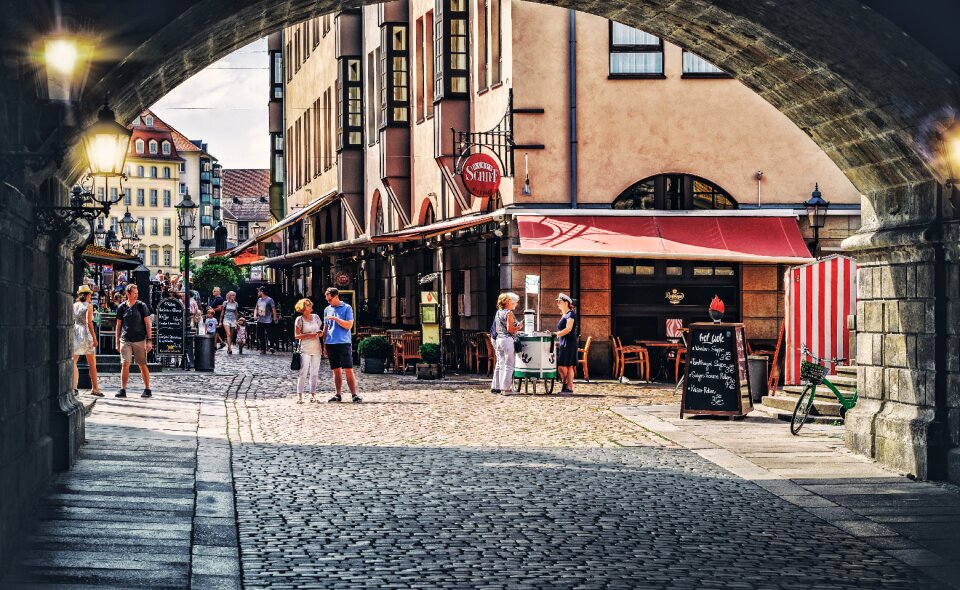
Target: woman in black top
<point x="567" y="345"/>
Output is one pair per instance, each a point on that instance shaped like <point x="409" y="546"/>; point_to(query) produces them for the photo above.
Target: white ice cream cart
<point x="536" y="362"/>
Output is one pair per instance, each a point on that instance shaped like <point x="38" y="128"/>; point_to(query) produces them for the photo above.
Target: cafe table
<point x="663" y="347"/>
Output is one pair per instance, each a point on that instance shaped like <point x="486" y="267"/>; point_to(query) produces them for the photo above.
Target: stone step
<point x="787" y="403"/>
<point x="848" y="371"/>
<point x="788" y="416"/>
<point x="823" y="392"/>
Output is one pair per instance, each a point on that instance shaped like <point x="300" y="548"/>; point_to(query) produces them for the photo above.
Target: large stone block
<point x="893" y="281"/>
<point x="902" y="437"/>
<point x="759" y="277"/>
<point x="913" y="316"/>
<point x="870" y="315"/>
<point x="896" y="351"/>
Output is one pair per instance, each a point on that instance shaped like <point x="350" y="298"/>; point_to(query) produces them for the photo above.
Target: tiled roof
<point x="246" y="182"/>
<point x="180" y="141"/>
<point x="247" y="208"/>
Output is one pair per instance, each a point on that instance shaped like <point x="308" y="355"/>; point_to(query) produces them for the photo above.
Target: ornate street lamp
<point x="111" y="241"/>
<point x="257" y="229"/>
<point x="106" y="144"/>
<point x="100" y="235"/>
<point x="187" y="219"/>
<point x="816" y="208"/>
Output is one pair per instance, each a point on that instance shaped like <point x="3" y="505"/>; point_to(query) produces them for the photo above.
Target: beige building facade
<point x="589" y="122"/>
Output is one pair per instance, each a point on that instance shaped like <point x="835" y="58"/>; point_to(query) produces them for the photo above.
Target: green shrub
<point x="430" y="353"/>
<point x="374" y="347"/>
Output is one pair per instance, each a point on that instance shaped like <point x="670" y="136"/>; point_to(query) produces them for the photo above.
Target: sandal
<point x="96" y="393"/>
<point x="313" y="399"/>
<point x="300" y="401"/>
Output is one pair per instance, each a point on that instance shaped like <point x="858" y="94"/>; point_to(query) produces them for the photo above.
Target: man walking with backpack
<point x="134" y="339"/>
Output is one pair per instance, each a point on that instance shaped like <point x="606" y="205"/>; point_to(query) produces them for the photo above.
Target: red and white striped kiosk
<point x="819" y="297"/>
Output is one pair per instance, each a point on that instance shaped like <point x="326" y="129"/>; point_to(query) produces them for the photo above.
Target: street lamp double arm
<point x="187" y="220"/>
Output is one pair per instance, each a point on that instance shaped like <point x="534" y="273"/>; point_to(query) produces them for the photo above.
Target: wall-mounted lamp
<point x="816" y="208"/>
<point x="526" y="190"/>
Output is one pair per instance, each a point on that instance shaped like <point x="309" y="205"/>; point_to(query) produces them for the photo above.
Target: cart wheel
<point x="548" y="385"/>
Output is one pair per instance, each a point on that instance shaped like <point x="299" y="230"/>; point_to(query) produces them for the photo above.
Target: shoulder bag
<point x="295" y="361"/>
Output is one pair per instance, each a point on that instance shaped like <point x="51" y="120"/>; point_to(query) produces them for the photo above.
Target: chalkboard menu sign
<point x="716" y="381"/>
<point x="170" y="327"/>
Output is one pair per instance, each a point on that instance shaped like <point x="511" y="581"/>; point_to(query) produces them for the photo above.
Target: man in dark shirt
<point x="134" y="339"/>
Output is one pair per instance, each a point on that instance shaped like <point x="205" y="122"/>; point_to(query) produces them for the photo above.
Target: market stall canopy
<point x="311" y="207"/>
<point x="247" y="258"/>
<point x="119" y="260"/>
<point x="685" y="236"/>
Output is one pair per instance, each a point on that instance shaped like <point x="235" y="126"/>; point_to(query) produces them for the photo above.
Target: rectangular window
<point x="328" y="126"/>
<point x="373" y="99"/>
<point x="154" y="257"/>
<point x="420" y="68"/>
<point x="695" y="66"/>
<point x="153" y="197"/>
<point x="326" y="24"/>
<point x="141" y="197"/>
<point x="483" y="45"/>
<point x="114" y="194"/>
<point x="307" y="46"/>
<point x="183" y="189"/>
<point x="183" y="166"/>
<point x="287" y="58"/>
<point x="165" y="148"/>
<point x="296" y="50"/>
<point x="167" y="258"/>
<point x="350" y="103"/>
<point x="154" y="226"/>
<point x="166" y="198"/>
<point x="429" y="92"/>
<point x="278" y="68"/>
<point x="634" y="53"/>
<point x="394" y="76"/>
<point x="126" y="197"/>
<point x="167" y="227"/>
<point x="452" y="48"/>
<point x="141" y="227"/>
<point x="243" y="229"/>
<point x="496" y="42"/>
<point x="381" y="95"/>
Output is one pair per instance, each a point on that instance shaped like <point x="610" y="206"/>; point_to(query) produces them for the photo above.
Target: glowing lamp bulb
<point x="61" y="55"/>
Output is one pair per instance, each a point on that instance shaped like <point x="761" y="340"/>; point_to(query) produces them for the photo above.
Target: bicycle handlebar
<point x="809" y="353"/>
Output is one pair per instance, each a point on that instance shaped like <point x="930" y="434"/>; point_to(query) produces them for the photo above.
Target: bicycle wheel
<point x="802" y="410"/>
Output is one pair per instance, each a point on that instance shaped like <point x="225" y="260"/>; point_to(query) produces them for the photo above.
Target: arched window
<point x="166" y="171"/>
<point x="153" y="146"/>
<point x="165" y="148"/>
<point x="139" y="145"/>
<point x="153" y="171"/>
<point x="148" y="121"/>
<point x="140" y="171"/>
<point x="429" y="216"/>
<point x="674" y="192"/>
<point x="378" y="222"/>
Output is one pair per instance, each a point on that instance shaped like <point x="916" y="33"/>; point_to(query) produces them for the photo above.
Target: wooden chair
<point x="634" y="355"/>
<point x="481" y="350"/>
<point x="409" y="349"/>
<point x="615" y="345"/>
<point x="396" y="346"/>
<point x="491" y="355"/>
<point x="583" y="358"/>
<point x="680" y="358"/>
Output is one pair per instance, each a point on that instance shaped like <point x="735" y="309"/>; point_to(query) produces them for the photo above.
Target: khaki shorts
<point x="133" y="350"/>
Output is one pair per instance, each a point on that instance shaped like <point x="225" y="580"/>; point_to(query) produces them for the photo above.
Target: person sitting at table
<point x="567" y="343"/>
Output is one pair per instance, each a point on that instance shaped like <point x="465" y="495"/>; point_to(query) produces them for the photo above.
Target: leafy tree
<point x="218" y="271"/>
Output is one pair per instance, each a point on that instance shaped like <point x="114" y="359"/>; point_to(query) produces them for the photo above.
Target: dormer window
<point x="165" y="148"/>
<point x="139" y="145"/>
<point x="153" y="146"/>
<point x="148" y="120"/>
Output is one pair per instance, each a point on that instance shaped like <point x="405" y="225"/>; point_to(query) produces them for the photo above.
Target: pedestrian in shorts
<point x="337" y="323"/>
<point x="134" y="339"/>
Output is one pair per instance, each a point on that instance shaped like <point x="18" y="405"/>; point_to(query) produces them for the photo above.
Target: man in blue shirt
<point x="337" y="324"/>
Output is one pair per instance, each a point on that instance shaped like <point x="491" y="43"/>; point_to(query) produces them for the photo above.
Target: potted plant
<point x="429" y="368"/>
<point x="375" y="350"/>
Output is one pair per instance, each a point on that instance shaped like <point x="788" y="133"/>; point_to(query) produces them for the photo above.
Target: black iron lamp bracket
<point x="57" y="221"/>
<point x="498" y="140"/>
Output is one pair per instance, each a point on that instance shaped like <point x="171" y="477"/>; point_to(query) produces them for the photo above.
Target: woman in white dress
<point x="228" y="318"/>
<point x="85" y="339"/>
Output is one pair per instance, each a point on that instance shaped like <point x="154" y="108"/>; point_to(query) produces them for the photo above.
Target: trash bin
<point x="204" y="347"/>
<point x="757" y="374"/>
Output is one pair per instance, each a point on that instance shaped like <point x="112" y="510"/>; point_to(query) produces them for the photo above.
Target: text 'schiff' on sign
<point x="481" y="175"/>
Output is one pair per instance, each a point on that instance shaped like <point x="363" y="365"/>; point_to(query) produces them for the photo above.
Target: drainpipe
<point x="572" y="69"/>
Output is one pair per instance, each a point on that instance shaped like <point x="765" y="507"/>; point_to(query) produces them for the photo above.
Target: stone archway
<point x="852" y="80"/>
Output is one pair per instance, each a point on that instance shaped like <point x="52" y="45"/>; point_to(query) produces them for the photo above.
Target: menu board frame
<point x="169" y="333"/>
<point x="740" y="372"/>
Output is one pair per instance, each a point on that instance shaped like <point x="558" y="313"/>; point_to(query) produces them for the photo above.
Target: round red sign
<point x="342" y="278"/>
<point x="481" y="175"/>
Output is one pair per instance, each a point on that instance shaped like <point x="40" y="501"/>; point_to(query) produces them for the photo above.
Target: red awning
<point x="247" y="257"/>
<point x="729" y="238"/>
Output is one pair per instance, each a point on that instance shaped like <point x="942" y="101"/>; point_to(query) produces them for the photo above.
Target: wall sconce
<point x="65" y="62"/>
<point x="527" y="190"/>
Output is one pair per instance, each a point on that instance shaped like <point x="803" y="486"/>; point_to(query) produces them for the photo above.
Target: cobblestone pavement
<point x="440" y="486"/>
<point x="458" y="488"/>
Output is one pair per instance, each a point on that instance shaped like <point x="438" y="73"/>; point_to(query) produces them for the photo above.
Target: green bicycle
<point x="814" y="373"/>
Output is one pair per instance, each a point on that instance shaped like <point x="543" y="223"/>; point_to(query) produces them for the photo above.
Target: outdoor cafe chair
<point x="583" y="358"/>
<point x="409" y="349"/>
<point x="634" y="355"/>
<point x="490" y="355"/>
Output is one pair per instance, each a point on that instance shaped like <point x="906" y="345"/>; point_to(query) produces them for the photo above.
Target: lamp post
<point x="816" y="208"/>
<point x="187" y="218"/>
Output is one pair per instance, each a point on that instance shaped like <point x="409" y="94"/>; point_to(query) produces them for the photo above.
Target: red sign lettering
<point x="481" y="175"/>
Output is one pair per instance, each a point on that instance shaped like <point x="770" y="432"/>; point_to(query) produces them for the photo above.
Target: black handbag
<point x="295" y="361"/>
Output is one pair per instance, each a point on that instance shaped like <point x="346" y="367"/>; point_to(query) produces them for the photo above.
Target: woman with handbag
<point x="306" y="331"/>
<point x="506" y="326"/>
<point x="85" y="339"/>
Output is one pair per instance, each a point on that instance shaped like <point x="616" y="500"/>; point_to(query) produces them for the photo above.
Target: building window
<point x="394" y="76"/>
<point x="139" y="144"/>
<point x="350" y="103"/>
<point x="165" y="148"/>
<point x="166" y="171"/>
<point x="381" y="94"/>
<point x="114" y="194"/>
<point x="328" y="128"/>
<point x="288" y="56"/>
<point x="153" y="146"/>
<point x="183" y="189"/>
<point x="373" y="98"/>
<point x="326" y="24"/>
<point x="126" y="197"/>
<point x="154" y="257"/>
<point x="153" y="197"/>
<point x="141" y="197"/>
<point x="695" y="66"/>
<point x="483" y="47"/>
<point x="674" y="192"/>
<point x="140" y="172"/>
<point x="141" y="228"/>
<point x="243" y="231"/>
<point x="296" y="50"/>
<point x="148" y="121"/>
<point x="496" y="42"/>
<point x="154" y="226"/>
<point x="429" y="80"/>
<point x="167" y="258"/>
<point x="183" y="166"/>
<point x="153" y="171"/>
<point x="634" y="53"/>
<point x="167" y="227"/>
<point x="420" y="68"/>
<point x="166" y="198"/>
<point x="451" y="46"/>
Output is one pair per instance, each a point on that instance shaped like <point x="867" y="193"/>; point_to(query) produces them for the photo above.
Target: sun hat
<point x="565" y="297"/>
<point x="84" y="289"/>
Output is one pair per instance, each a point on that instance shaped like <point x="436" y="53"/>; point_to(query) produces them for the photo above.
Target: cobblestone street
<point x="418" y="487"/>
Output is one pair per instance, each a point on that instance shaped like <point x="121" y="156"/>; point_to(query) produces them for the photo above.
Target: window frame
<point x="139" y="146"/>
<point x="722" y="75"/>
<point x="643" y="48"/>
<point x="444" y="19"/>
<point x="165" y="147"/>
<point x="153" y="147"/>
<point x="393" y="62"/>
